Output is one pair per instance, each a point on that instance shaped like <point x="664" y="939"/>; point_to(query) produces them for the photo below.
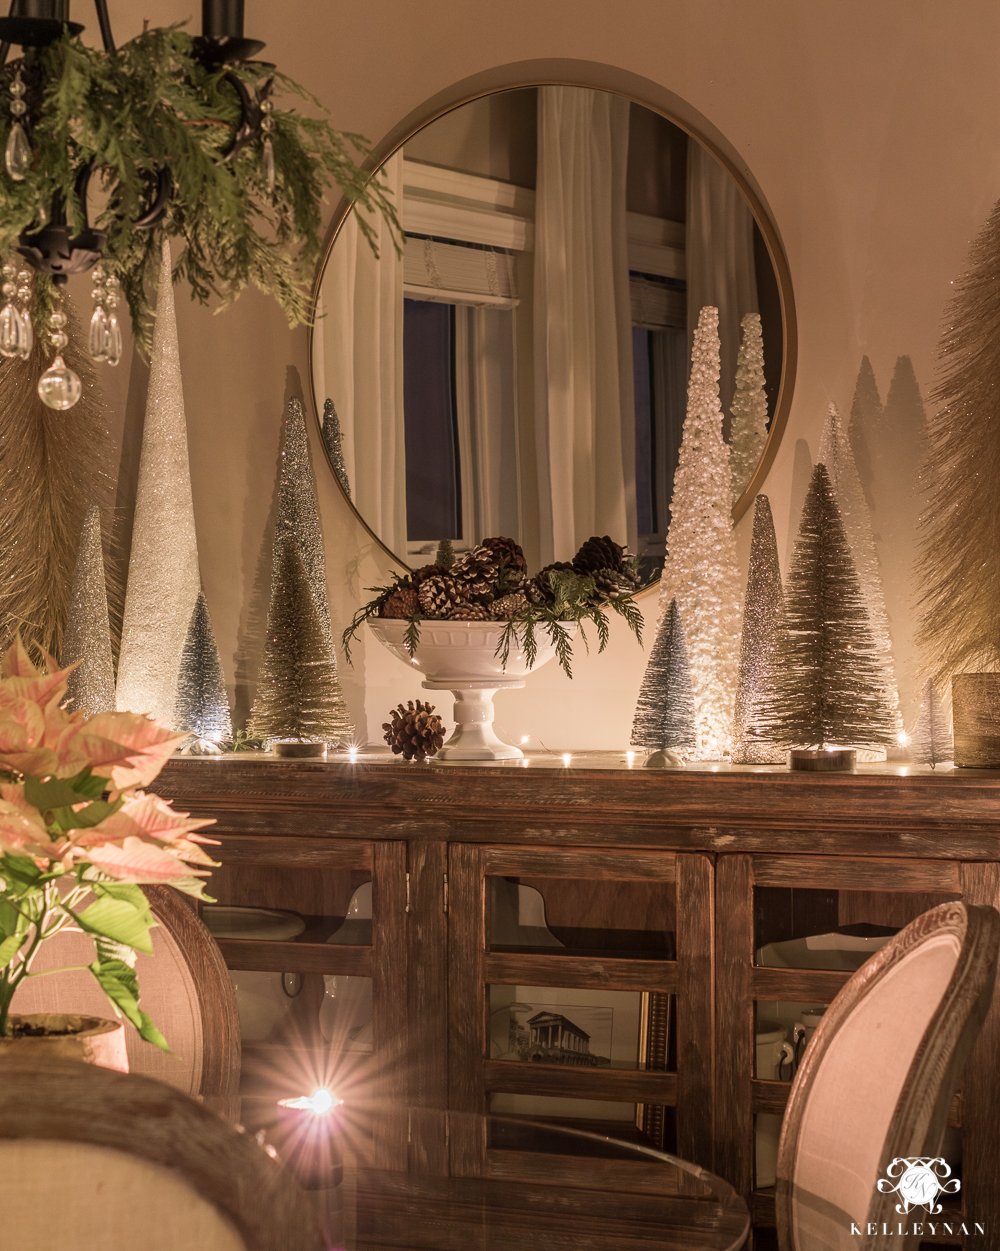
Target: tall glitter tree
<point x="332" y="441"/>
<point x="763" y="614"/>
<point x="748" y="432"/>
<point x="866" y="417"/>
<point x="829" y="678"/>
<point x="202" y="705"/>
<point x="931" y="741"/>
<point x="836" y="453"/>
<point x="702" y="571"/>
<point x="163" y="578"/>
<point x="664" y="711"/>
<point x="959" y="563"/>
<point x="298" y="519"/>
<point x="87" y="637"/>
<point x="298" y="696"/>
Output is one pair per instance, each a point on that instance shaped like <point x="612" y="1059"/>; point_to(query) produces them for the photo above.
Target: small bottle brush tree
<point x="202" y="705"/>
<point x="297" y="694"/>
<point x="748" y="433"/>
<point x="931" y="741"/>
<point x="763" y="614"/>
<point x="702" y="571"/>
<point x="664" y="711"/>
<point x="829" y="680"/>
<point x="332" y="441"/>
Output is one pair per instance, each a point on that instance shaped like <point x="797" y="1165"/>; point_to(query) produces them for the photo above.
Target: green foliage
<point x="151" y="105"/>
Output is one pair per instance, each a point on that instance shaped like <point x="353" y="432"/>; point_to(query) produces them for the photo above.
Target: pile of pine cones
<point x="491" y="583"/>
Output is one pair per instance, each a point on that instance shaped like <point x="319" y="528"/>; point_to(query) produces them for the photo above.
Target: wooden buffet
<point x="662" y="883"/>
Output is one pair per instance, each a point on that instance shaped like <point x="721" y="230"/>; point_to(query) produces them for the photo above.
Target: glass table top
<point x="536" y="1187"/>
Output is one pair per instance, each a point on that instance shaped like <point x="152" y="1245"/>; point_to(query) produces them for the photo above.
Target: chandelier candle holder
<point x="185" y="139"/>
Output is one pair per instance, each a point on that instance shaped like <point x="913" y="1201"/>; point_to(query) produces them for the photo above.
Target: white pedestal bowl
<point x="460" y="656"/>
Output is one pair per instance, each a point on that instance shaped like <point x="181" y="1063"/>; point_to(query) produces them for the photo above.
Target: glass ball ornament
<point x="59" y="387"/>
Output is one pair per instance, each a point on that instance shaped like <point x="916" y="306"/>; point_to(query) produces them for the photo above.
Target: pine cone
<point x="539" y="589"/>
<point x="613" y="584"/>
<point x="476" y="572"/>
<point x="509" y="606"/>
<point x="508" y="551"/>
<point x="403" y="602"/>
<point x="425" y="572"/>
<point x="413" y="731"/>
<point x="598" y="553"/>
<point x="469" y="611"/>
<point x="438" y="594"/>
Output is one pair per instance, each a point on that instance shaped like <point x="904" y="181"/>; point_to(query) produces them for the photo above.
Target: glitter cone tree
<point x="748" y="433"/>
<point x="702" y="571"/>
<point x="332" y="440"/>
<point x="828" y="686"/>
<point x="202" y="705"/>
<point x="931" y="741"/>
<point x="763" y="612"/>
<point x="836" y="453"/>
<point x="298" y="696"/>
<point x="87" y="637"/>
<point x="163" y="577"/>
<point x="664" y="711"/>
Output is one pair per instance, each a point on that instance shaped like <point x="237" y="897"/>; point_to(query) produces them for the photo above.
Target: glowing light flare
<point x="567" y="757"/>
<point x="630" y="757"/>
<point x="319" y="1103"/>
<point x="902" y="738"/>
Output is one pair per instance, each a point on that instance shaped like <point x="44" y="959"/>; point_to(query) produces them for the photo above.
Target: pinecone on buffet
<point x="607" y="563"/>
<point x="413" y="732"/>
<point x="476" y="572"/>
<point x="507" y="607"/>
<point x="467" y="610"/>
<point x="425" y="572"/>
<point x="509" y="552"/>
<point x="538" y="589"/>
<point x="438" y="594"/>
<point x="403" y="602"/>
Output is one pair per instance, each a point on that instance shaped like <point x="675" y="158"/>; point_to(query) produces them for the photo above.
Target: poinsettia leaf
<point x="10" y="947"/>
<point x="109" y="950"/>
<point x="121" y="970"/>
<point x="20" y="871"/>
<point x="84" y="818"/>
<point x="119" y="984"/>
<point x="9" y="918"/>
<point x="87" y="784"/>
<point x="117" y="919"/>
<point x="55" y="793"/>
<point x="149" y="1032"/>
<point x="127" y="892"/>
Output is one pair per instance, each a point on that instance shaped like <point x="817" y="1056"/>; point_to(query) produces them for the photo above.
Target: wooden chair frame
<point x="65" y="1101"/>
<point x="919" y="1120"/>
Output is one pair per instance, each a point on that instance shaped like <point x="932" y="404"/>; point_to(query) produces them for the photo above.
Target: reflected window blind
<point x="454" y="273"/>
<point x="655" y="306"/>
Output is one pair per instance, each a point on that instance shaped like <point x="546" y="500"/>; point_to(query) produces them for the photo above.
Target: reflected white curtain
<point x="584" y="402"/>
<point x="360" y="338"/>
<point x="720" y="263"/>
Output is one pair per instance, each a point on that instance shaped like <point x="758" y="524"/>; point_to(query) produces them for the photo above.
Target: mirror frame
<point x="594" y="76"/>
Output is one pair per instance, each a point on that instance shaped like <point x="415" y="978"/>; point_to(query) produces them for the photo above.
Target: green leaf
<point x="127" y="892"/>
<point x="9" y="918"/>
<point x="114" y="918"/>
<point x="84" y="818"/>
<point x="122" y="972"/>
<point x="10" y="947"/>
<point x="87" y="784"/>
<point x="20" y="871"/>
<point x="119" y="983"/>
<point x="55" y="793"/>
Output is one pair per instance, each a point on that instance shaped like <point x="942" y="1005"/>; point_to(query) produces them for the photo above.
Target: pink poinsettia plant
<point x="79" y="836"/>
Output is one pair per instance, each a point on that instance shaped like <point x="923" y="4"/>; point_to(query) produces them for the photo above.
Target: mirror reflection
<point x="521" y="369"/>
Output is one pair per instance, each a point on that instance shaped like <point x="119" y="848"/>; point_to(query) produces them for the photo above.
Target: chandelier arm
<point x="105" y="24"/>
<point x="5" y="46"/>
<point x="157" y="210"/>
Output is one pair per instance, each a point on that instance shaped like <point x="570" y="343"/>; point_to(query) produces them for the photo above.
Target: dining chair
<point x="185" y="988"/>
<point x="876" y="1082"/>
<point x="98" y="1160"/>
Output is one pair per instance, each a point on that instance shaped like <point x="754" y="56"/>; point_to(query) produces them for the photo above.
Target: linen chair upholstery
<point x="877" y="1080"/>
<point x="185" y="988"/>
<point x="99" y="1160"/>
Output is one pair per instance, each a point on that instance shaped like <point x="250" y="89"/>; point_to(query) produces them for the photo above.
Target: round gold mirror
<point x="520" y="368"/>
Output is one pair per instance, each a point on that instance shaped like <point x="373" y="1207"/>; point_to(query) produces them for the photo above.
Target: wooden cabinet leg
<point x="466" y="1009"/>
<point x="389" y="975"/>
<point x="695" y="1008"/>
<point x="734" y="1055"/>
<point x="428" y="1016"/>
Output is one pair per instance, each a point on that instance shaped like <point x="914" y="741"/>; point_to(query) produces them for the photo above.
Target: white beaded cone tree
<point x="87" y="636"/>
<point x="836" y="453"/>
<point x="763" y="613"/>
<point x="931" y="741"/>
<point x="748" y="432"/>
<point x="664" y="711"/>
<point x="163" y="578"/>
<point x="202" y="705"/>
<point x="702" y="571"/>
<point x="298" y="520"/>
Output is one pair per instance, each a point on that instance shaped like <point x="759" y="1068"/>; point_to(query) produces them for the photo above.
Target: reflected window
<point x="433" y="475"/>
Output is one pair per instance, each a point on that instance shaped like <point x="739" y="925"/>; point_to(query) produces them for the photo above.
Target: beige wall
<point x="869" y="127"/>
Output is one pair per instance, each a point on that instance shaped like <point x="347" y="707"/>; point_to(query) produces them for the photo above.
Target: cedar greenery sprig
<point x="153" y="105"/>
